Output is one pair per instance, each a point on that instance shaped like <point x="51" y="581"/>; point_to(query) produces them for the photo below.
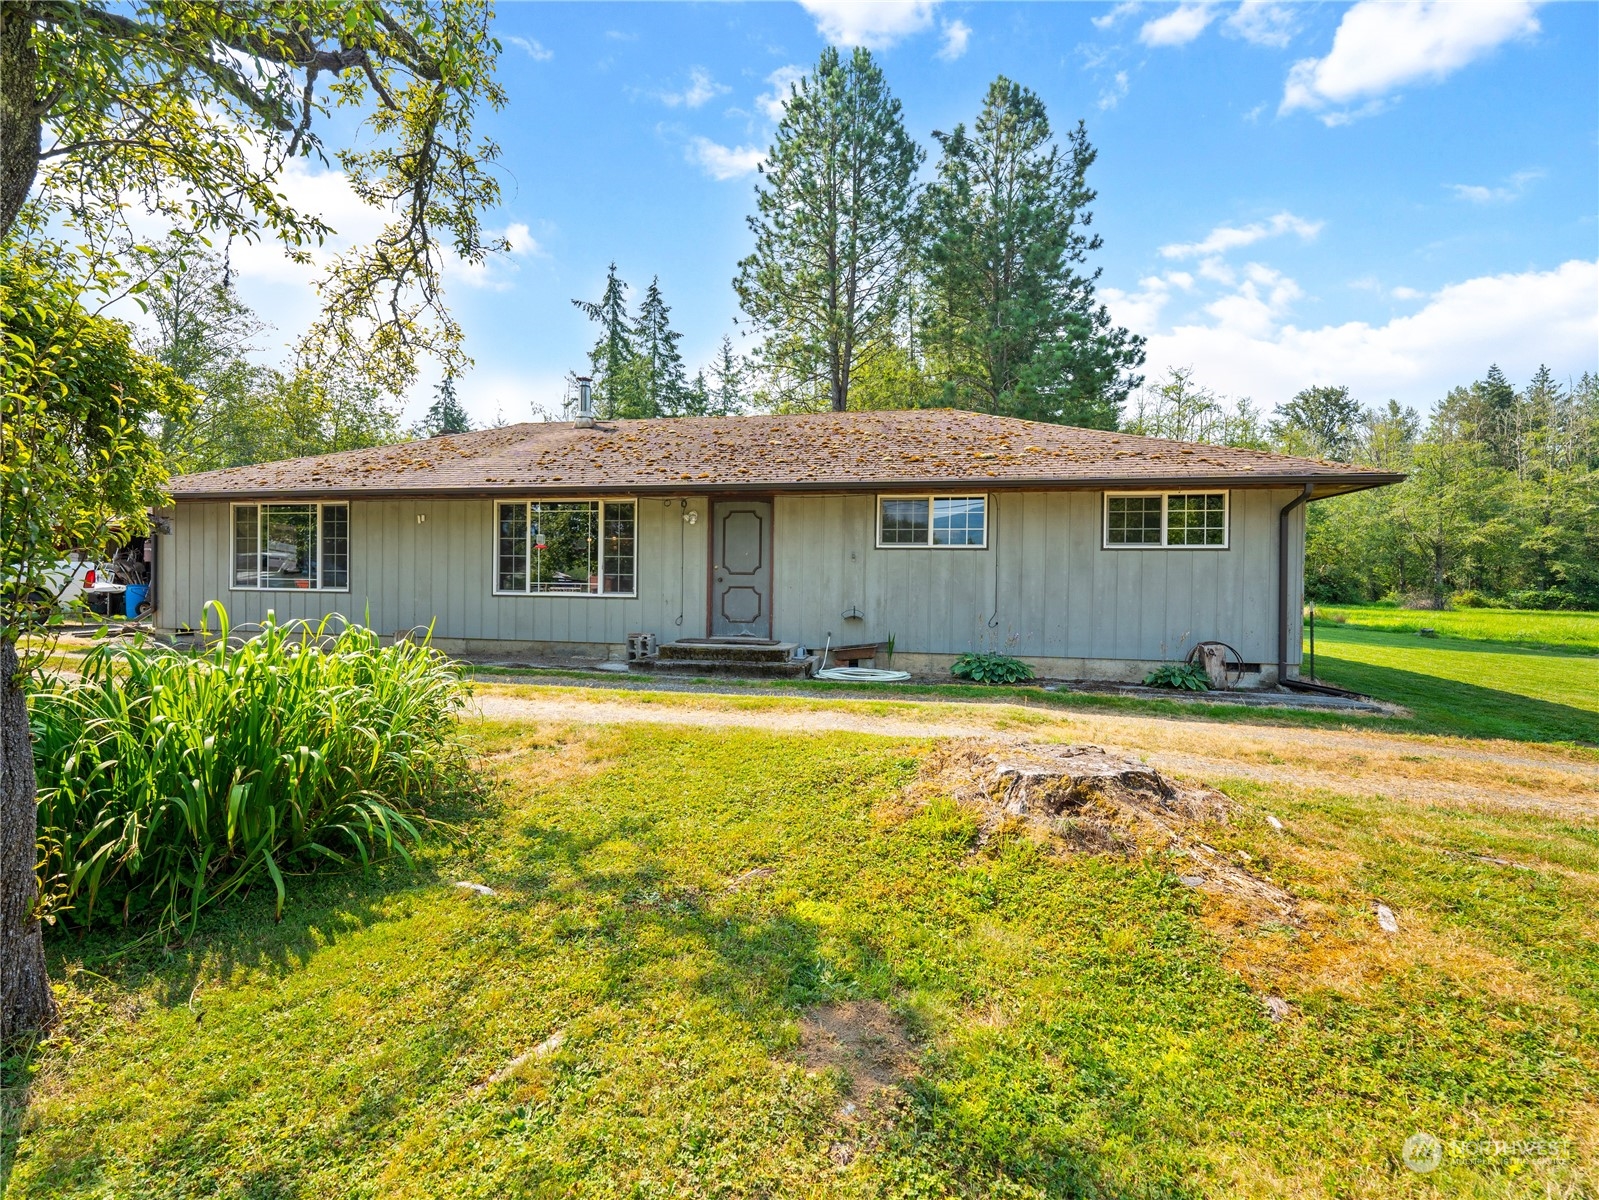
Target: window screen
<point x="949" y="521"/>
<point x="571" y="547"/>
<point x="904" y="522"/>
<point x="303" y="546"/>
<point x="1175" y="519"/>
<point x="959" y="520"/>
<point x="1199" y="520"/>
<point x="1133" y="520"/>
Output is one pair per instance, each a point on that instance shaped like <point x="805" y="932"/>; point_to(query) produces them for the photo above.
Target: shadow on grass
<point x="1468" y="709"/>
<point x="763" y="965"/>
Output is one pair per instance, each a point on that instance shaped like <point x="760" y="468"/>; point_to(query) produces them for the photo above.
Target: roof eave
<point x="1326" y="485"/>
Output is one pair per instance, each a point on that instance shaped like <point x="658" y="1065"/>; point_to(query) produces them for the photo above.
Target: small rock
<point x="1274" y="823"/>
<point x="1277" y="1009"/>
<point x="1386" y="919"/>
<point x="479" y="888"/>
<point x="1191" y="880"/>
<point x="1244" y="856"/>
<point x="848" y="1109"/>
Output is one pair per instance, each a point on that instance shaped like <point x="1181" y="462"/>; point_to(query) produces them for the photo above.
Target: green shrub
<point x="1546" y="599"/>
<point x="1187" y="677"/>
<point x="169" y="781"/>
<point x="991" y="668"/>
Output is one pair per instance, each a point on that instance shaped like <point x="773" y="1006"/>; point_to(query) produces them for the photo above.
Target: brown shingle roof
<point x="819" y="451"/>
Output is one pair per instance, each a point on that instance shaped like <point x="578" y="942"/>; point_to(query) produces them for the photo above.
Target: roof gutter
<point x="1282" y="578"/>
<point x="1328" y="485"/>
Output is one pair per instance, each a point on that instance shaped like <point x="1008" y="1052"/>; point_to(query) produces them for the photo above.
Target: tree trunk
<point x="20" y="125"/>
<point x="26" y="1003"/>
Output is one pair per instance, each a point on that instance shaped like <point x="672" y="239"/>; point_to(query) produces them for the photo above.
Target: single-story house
<point x="1088" y="554"/>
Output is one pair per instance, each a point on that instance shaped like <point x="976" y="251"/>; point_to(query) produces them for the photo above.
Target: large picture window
<point x="291" y="546"/>
<point x="940" y="522"/>
<point x="566" y="547"/>
<point x="1171" y="520"/>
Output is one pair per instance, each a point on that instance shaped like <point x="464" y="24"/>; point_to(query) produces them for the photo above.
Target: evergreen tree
<point x="1010" y="321"/>
<point x="618" y="390"/>
<point x="662" y="381"/>
<point x="728" y="395"/>
<point x="697" y="397"/>
<point x="445" y="414"/>
<point x="832" y="227"/>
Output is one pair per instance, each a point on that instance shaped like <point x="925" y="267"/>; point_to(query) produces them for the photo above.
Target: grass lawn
<point x="674" y="902"/>
<point x="1467" y="686"/>
<point x="1527" y="627"/>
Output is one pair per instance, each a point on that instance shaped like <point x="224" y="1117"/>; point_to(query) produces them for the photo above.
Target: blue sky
<point x="1385" y="195"/>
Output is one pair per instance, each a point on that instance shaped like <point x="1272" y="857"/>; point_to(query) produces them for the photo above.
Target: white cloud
<point x="701" y="89"/>
<point x="773" y="103"/>
<point x="535" y="49"/>
<point x="1406" y="293"/>
<point x="724" y="162"/>
<point x="1227" y="237"/>
<point x="956" y="35"/>
<point x="1113" y="95"/>
<point x="874" y="24"/>
<point x="1112" y="18"/>
<point x="1517" y="320"/>
<point x="1382" y="46"/>
<point x="1510" y="190"/>
<point x="1263" y="23"/>
<point x="1178" y="27"/>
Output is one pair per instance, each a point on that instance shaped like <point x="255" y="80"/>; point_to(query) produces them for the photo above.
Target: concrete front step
<point x="792" y="668"/>
<point x="728" y="652"/>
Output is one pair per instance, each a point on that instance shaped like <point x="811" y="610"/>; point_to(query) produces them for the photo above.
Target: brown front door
<point x="741" y="568"/>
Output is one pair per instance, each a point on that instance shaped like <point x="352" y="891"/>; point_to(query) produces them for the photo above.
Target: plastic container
<point x="133" y="598"/>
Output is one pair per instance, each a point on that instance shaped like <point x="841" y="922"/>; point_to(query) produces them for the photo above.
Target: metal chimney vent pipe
<point x="585" y="402"/>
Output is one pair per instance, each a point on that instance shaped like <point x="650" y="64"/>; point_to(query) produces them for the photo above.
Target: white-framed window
<point x="1166" y="520"/>
<point x="279" y="546"/>
<point x="939" y="522"/>
<point x="566" y="547"/>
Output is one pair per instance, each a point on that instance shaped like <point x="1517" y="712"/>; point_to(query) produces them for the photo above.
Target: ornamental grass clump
<point x="170" y="781"/>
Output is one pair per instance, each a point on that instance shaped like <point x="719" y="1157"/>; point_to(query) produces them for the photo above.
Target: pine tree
<point x="729" y="396"/>
<point x="618" y="390"/>
<point x="1009" y="320"/>
<point x="832" y="229"/>
<point x="663" y="385"/>
<point x="445" y="415"/>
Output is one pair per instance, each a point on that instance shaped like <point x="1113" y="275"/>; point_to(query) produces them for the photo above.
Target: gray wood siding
<point x="440" y="571"/>
<point x="1042" y="588"/>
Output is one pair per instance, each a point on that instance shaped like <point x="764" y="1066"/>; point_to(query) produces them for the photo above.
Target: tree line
<point x="1501" y="498"/>
<point x="867" y="290"/>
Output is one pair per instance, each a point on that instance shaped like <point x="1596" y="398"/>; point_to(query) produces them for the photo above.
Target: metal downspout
<point x="1282" y="579"/>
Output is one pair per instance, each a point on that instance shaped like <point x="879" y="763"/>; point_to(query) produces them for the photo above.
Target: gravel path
<point x="1424" y="770"/>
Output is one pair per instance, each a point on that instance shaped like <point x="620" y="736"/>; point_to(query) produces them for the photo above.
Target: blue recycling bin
<point x="133" y="598"/>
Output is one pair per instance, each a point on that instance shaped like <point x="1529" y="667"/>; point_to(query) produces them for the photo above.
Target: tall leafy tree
<point x="833" y="226"/>
<point x="1321" y="421"/>
<point x="78" y="403"/>
<point x="1009" y="320"/>
<point x="193" y="111"/>
<point x="614" y="359"/>
<point x="664" y="383"/>
<point x="1178" y="407"/>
